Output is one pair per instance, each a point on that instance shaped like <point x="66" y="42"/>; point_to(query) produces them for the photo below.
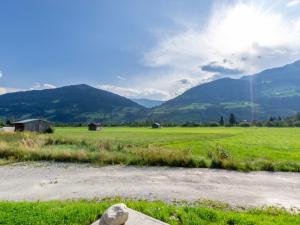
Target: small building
<point x="94" y="126"/>
<point x="33" y="125"/>
<point x="156" y="125"/>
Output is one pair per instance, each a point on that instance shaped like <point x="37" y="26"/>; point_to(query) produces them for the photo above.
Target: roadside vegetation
<point x="85" y="212"/>
<point x="245" y="149"/>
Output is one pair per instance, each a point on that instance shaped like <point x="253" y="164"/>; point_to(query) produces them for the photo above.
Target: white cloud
<point x="121" y="78"/>
<point x="39" y="86"/>
<point x="157" y="87"/>
<point x="150" y="93"/>
<point x="246" y="36"/>
<point x="5" y="90"/>
<point x="293" y="3"/>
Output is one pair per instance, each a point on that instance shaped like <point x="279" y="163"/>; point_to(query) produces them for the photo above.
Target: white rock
<point x="115" y="215"/>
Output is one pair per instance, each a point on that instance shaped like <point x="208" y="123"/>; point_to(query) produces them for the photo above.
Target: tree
<point x="232" y="119"/>
<point x="221" y="121"/>
<point x="298" y="116"/>
<point x="9" y="123"/>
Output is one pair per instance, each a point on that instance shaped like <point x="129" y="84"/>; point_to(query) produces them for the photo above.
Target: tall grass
<point x="35" y="147"/>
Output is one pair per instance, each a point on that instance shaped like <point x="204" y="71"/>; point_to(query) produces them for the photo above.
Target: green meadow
<point x="235" y="148"/>
<point x="86" y="212"/>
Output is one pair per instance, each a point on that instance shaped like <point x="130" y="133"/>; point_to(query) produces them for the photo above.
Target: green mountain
<point x="76" y="103"/>
<point x="147" y="103"/>
<point x="273" y="92"/>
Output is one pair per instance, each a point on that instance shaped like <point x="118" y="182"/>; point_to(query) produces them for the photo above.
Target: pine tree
<point x="232" y="119"/>
<point x="222" y="121"/>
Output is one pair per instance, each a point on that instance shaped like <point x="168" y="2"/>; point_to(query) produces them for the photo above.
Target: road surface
<point x="48" y="181"/>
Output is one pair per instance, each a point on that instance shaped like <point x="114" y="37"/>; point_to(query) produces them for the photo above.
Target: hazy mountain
<point x="148" y="103"/>
<point x="76" y="103"/>
<point x="273" y="92"/>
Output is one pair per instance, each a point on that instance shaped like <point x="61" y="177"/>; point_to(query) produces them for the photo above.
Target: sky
<point x="139" y="48"/>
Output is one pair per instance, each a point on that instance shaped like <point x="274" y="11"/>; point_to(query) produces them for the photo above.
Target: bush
<point x="259" y="124"/>
<point x="50" y="130"/>
<point x="213" y="124"/>
<point x="245" y="124"/>
<point x="296" y="124"/>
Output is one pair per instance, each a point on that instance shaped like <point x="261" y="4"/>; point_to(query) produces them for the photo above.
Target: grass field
<point x="272" y="149"/>
<point x="85" y="212"/>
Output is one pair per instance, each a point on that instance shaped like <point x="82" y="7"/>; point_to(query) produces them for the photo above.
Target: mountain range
<point x="147" y="103"/>
<point x="273" y="92"/>
<point x="75" y="103"/>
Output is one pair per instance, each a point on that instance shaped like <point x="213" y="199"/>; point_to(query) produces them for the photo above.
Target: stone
<point x="115" y="215"/>
<point x="137" y="218"/>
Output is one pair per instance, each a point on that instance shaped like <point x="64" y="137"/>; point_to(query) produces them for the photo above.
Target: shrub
<point x="297" y="123"/>
<point x="213" y="124"/>
<point x="50" y="130"/>
<point x="245" y="124"/>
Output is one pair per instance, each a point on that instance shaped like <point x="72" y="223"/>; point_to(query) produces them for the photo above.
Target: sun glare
<point x="246" y="26"/>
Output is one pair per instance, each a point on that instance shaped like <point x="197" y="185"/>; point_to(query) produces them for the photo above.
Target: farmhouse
<point x="33" y="125"/>
<point x="156" y="125"/>
<point x="94" y="126"/>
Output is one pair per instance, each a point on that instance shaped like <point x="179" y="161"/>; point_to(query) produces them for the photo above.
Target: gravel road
<point x="47" y="181"/>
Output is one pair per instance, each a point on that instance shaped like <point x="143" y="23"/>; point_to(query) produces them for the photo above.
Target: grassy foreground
<point x="85" y="212"/>
<point x="271" y="149"/>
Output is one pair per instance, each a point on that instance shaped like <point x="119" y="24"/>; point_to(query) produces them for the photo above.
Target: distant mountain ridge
<point x="75" y="103"/>
<point x="148" y="103"/>
<point x="273" y="92"/>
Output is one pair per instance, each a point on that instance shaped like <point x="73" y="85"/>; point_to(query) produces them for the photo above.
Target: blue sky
<point x="137" y="48"/>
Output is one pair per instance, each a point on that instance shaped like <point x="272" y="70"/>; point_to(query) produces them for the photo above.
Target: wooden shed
<point x="156" y="125"/>
<point x="94" y="126"/>
<point x="33" y="125"/>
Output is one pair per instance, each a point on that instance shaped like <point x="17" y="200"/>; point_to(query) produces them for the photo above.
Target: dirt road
<point x="39" y="181"/>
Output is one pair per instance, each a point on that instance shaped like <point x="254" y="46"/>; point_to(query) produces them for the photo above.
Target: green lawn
<point x="229" y="148"/>
<point x="85" y="212"/>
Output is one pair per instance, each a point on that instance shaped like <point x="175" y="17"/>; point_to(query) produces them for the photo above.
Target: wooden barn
<point x="94" y="126"/>
<point x="33" y="125"/>
<point x="156" y="125"/>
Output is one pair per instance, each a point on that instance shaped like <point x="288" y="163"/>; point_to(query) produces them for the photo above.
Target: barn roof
<point x="29" y="121"/>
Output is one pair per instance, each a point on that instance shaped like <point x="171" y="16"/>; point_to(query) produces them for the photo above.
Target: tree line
<point x="230" y="121"/>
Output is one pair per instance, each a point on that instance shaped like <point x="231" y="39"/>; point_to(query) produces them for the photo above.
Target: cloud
<point x="249" y="35"/>
<point x="150" y="93"/>
<point x="39" y="86"/>
<point x="214" y="67"/>
<point x="162" y="86"/>
<point x="184" y="81"/>
<point x="5" y="90"/>
<point x="293" y="3"/>
<point x="121" y="78"/>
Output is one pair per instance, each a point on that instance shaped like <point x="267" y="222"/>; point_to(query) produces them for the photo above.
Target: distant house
<point x="33" y="125"/>
<point x="94" y="126"/>
<point x="156" y="125"/>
